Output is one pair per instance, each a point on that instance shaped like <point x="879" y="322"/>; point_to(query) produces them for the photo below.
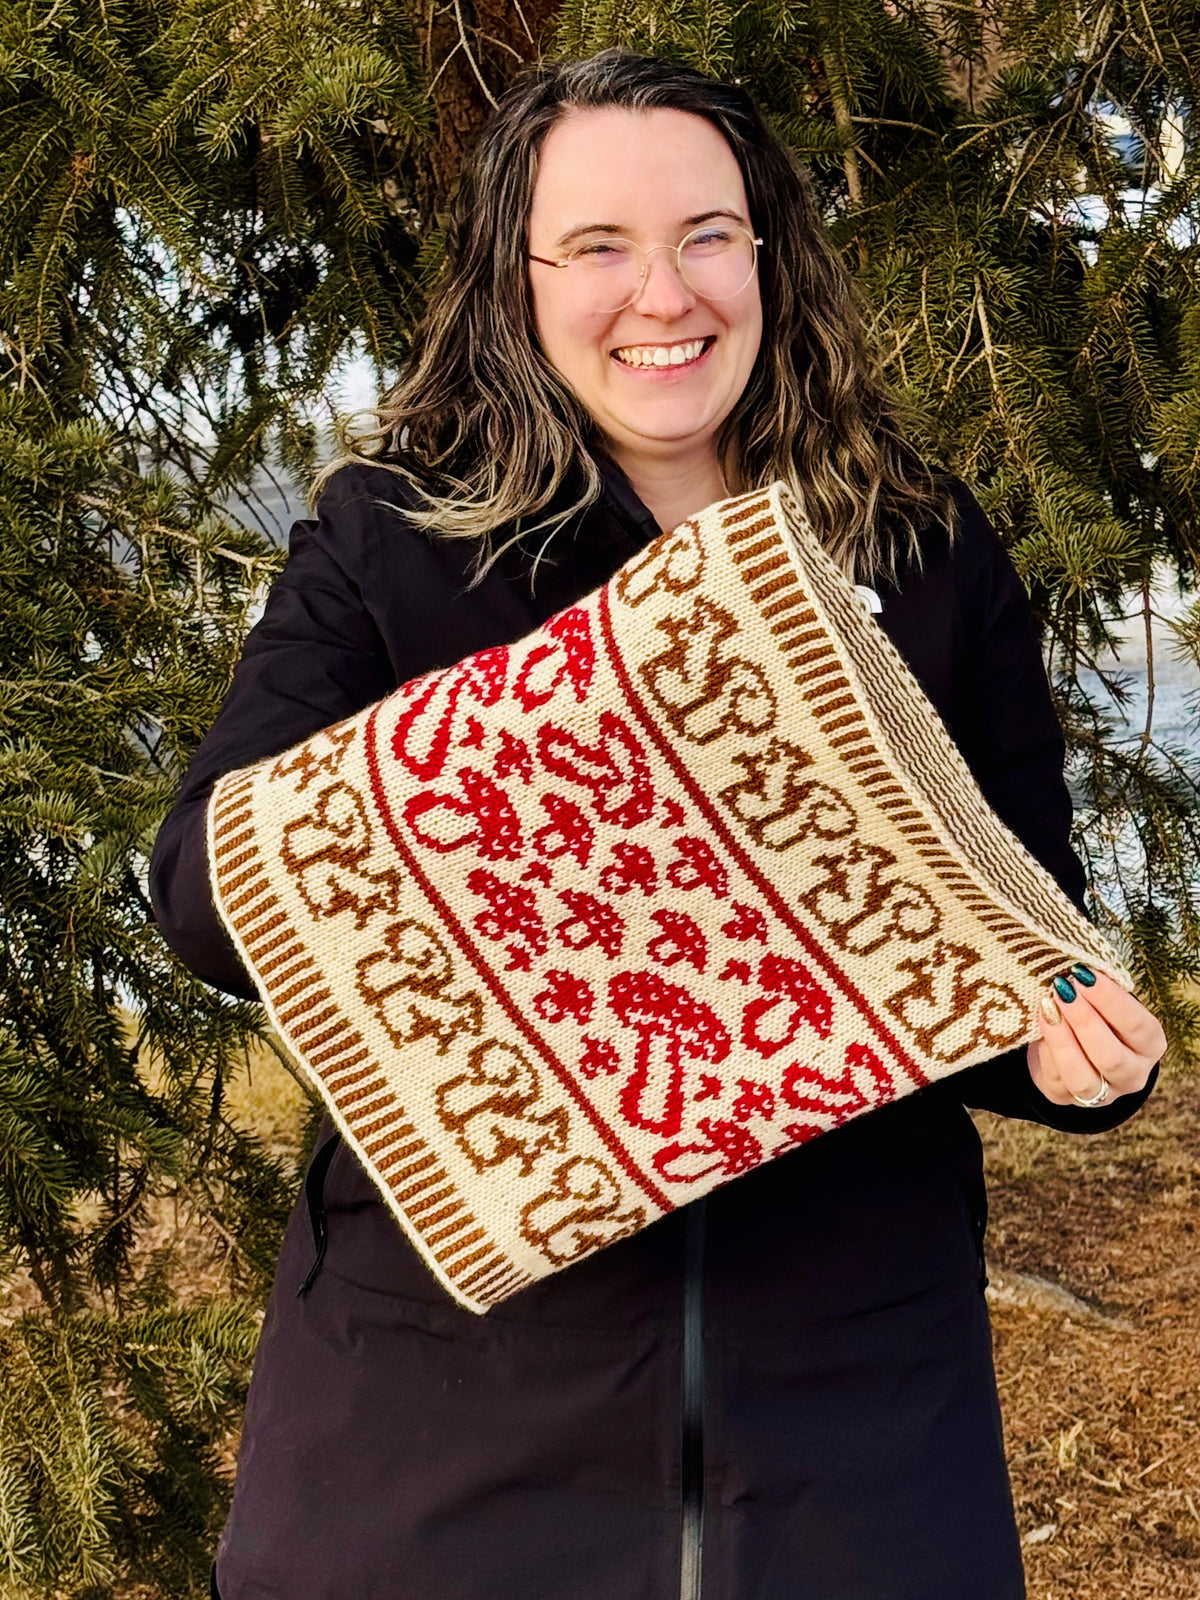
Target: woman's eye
<point x="595" y="251"/>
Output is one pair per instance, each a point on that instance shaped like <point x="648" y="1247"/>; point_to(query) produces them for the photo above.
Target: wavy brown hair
<point x="488" y="436"/>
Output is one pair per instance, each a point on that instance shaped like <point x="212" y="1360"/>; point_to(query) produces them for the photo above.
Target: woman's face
<point x="652" y="176"/>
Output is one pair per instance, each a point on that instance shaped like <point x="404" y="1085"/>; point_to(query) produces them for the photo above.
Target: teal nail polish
<point x="1064" y="989"/>
<point x="1085" y="974"/>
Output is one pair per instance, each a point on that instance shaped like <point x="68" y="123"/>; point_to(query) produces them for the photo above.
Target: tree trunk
<point x="473" y="48"/>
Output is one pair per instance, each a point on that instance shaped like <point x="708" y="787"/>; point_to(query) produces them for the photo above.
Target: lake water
<point x="1176" y="680"/>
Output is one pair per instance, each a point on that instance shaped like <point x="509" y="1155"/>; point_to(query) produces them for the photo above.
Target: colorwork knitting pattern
<point x="578" y="929"/>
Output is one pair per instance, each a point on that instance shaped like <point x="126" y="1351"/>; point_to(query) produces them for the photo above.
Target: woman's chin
<point x="661" y="429"/>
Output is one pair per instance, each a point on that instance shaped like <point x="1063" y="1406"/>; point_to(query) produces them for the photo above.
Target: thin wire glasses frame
<point x="579" y="253"/>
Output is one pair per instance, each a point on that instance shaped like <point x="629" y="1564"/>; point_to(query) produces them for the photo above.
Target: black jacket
<point x="782" y="1391"/>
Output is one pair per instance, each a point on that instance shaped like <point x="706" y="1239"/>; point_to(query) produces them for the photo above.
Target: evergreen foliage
<point x="111" y="1439"/>
<point x="121" y="608"/>
<point x="204" y="205"/>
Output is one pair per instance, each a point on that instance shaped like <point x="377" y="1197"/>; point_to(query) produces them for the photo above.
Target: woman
<point x="786" y="1389"/>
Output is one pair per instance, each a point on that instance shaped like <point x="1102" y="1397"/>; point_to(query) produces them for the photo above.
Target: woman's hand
<point x="1101" y="1032"/>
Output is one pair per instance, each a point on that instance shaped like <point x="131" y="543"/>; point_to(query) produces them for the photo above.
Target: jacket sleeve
<point x="1009" y="734"/>
<point x="315" y="657"/>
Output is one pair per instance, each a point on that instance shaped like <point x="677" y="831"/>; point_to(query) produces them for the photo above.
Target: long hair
<point x="488" y="436"/>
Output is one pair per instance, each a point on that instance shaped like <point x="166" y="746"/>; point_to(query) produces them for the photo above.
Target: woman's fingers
<point x="1126" y="1016"/>
<point x="1085" y="1037"/>
<point x="1091" y="1031"/>
<point x="1061" y="1070"/>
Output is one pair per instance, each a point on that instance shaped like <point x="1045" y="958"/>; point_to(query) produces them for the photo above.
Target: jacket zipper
<point x="691" y="1541"/>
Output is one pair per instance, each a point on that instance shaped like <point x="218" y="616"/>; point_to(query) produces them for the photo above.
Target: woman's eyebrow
<point x="618" y="228"/>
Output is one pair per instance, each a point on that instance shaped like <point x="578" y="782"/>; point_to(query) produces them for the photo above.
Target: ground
<point x="1094" y="1250"/>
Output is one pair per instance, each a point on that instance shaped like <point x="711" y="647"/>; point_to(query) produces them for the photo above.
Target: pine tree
<point x="204" y="205"/>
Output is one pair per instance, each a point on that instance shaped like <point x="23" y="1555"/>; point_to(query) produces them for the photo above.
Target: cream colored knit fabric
<point x="576" y="930"/>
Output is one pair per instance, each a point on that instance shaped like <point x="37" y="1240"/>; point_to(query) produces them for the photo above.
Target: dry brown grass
<point x="1100" y="1384"/>
<point x="267" y="1099"/>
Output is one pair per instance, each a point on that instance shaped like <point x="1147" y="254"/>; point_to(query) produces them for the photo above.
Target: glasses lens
<point x="610" y="271"/>
<point x="716" y="262"/>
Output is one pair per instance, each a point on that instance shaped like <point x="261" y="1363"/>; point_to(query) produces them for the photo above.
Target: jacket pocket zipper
<point x="691" y="1540"/>
<point x="314" y="1195"/>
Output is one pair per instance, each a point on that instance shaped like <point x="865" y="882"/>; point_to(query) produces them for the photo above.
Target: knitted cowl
<point x="576" y="930"/>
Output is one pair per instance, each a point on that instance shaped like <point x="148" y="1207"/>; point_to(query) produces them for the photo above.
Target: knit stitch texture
<point x="576" y="930"/>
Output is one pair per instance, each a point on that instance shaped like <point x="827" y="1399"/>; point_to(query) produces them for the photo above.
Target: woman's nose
<point x="663" y="292"/>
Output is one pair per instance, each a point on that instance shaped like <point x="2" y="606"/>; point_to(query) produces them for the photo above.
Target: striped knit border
<point x="424" y="1199"/>
<point x="881" y="724"/>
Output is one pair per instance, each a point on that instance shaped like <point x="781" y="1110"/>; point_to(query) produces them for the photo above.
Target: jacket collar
<point x="622" y="501"/>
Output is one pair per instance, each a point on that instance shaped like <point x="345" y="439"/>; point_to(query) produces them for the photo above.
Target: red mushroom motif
<point x="681" y="939"/>
<point x="696" y="866"/>
<point x="793" y="997"/>
<point x="482" y="815"/>
<point x="599" y="1055"/>
<point x="632" y="867"/>
<point x="592" y="921"/>
<point x="565" y="995"/>
<point x="568" y="833"/>
<point x="511" y="913"/>
<point x="727" y="1148"/>
<point x="864" y="1082"/>
<point x="747" y="922"/>
<point x="572" y="657"/>
<point x="669" y="1023"/>
<point x="755" y="1100"/>
<point x="512" y="756"/>
<point x="614" y="769"/>
<point x="421" y="739"/>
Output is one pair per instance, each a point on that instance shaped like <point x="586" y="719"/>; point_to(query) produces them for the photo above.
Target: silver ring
<point x="1100" y="1096"/>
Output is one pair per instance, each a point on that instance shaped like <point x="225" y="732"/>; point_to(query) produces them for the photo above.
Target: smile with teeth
<point x="661" y="355"/>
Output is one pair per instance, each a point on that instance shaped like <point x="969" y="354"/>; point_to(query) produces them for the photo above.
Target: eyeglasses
<point x="714" y="262"/>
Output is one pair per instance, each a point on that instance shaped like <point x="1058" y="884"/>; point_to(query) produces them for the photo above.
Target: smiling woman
<point x="783" y="1388"/>
<point x="613" y="341"/>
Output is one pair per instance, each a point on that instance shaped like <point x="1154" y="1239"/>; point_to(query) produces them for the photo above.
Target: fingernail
<point x="1085" y="974"/>
<point x="1064" y="989"/>
<point x="1049" y="1008"/>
